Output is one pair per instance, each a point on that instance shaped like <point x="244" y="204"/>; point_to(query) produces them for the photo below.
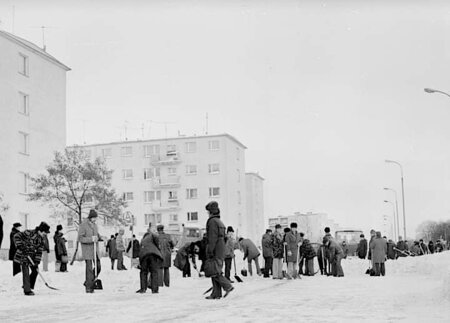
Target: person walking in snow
<point x="30" y="245"/>
<point x="266" y="244"/>
<point x="230" y="246"/>
<point x="278" y="253"/>
<point x="378" y="247"/>
<point x="12" y="247"/>
<point x="251" y="253"/>
<point x="361" y="250"/>
<point x="60" y="250"/>
<point x="120" y="245"/>
<point x="135" y="247"/>
<point x="166" y="246"/>
<point x="335" y="255"/>
<point x="87" y="236"/>
<point x="151" y="261"/>
<point x="215" y="252"/>
<point x="112" y="250"/>
<point x="293" y="241"/>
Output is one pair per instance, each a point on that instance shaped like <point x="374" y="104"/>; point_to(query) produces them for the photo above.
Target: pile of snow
<point x="414" y="290"/>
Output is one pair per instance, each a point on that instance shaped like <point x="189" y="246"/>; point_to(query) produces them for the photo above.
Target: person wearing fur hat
<point x="87" y="236"/>
<point x="293" y="242"/>
<point x="230" y="246"/>
<point x="12" y="247"/>
<point x="215" y="252"/>
<point x="30" y="245"/>
<point x="60" y="250"/>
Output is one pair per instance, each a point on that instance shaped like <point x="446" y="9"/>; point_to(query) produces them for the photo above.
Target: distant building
<point x="169" y="181"/>
<point x="32" y="125"/>
<point x="255" y="207"/>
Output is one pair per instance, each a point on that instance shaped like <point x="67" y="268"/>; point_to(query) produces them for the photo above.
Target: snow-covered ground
<point x="414" y="290"/>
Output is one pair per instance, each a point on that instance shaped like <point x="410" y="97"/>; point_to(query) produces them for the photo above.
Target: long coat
<point x="86" y="231"/>
<point x="60" y="245"/>
<point x="277" y="245"/>
<point x="120" y="244"/>
<point x="334" y="249"/>
<point x="378" y="247"/>
<point x="111" y="248"/>
<point x="215" y="233"/>
<point x="307" y="251"/>
<point x="249" y="249"/>
<point x="230" y="245"/>
<point x="136" y="248"/>
<point x="166" y="246"/>
<point x="361" y="250"/>
<point x="266" y="244"/>
<point x="12" y="245"/>
<point x="150" y="246"/>
<point x="29" y="244"/>
<point x="292" y="240"/>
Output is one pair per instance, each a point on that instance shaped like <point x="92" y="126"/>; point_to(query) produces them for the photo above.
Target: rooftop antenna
<point x="43" y="28"/>
<point x="13" y="18"/>
<point x="125" y="126"/>
<point x="206" y="122"/>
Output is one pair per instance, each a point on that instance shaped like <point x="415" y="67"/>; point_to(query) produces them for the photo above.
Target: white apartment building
<point x="32" y="124"/>
<point x="255" y="207"/>
<point x="169" y="181"/>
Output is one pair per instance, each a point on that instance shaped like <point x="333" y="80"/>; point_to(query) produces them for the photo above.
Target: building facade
<point x="32" y="124"/>
<point x="255" y="206"/>
<point x="169" y="181"/>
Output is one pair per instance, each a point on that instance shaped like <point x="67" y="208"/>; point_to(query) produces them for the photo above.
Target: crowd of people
<point x="287" y="253"/>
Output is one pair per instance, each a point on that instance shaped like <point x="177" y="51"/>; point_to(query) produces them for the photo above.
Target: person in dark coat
<point x="423" y="248"/>
<point x="215" y="251"/>
<point x="378" y="248"/>
<point x="60" y="249"/>
<point x="402" y="246"/>
<point x="302" y="260"/>
<point x="308" y="253"/>
<point x="293" y="241"/>
<point x="361" y="250"/>
<point x="151" y="260"/>
<point x="30" y="245"/>
<point x="12" y="247"/>
<point x="391" y="254"/>
<point x="335" y="253"/>
<point x="111" y="250"/>
<point x="186" y="252"/>
<point x="251" y="252"/>
<point x="134" y="251"/>
<point x="278" y="253"/>
<point x="230" y="246"/>
<point x="201" y="244"/>
<point x="266" y="244"/>
<point x="431" y="246"/>
<point x="1" y="231"/>
<point x="166" y="246"/>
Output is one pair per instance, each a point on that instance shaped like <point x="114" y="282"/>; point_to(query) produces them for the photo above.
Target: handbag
<point x="212" y="268"/>
<point x="64" y="259"/>
<point x="57" y="266"/>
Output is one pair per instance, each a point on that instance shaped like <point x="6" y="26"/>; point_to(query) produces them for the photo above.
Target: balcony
<point x="169" y="205"/>
<point x="169" y="159"/>
<point x="166" y="182"/>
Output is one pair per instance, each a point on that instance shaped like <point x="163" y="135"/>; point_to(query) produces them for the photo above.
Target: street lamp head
<point x="428" y="90"/>
<point x="386" y="201"/>
<point x="385" y="188"/>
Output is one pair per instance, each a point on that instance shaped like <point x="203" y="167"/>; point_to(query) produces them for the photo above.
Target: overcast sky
<point x="321" y="92"/>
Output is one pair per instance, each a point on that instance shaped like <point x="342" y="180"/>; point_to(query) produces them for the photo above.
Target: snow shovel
<point x="97" y="282"/>
<point x="238" y="279"/>
<point x="40" y="275"/>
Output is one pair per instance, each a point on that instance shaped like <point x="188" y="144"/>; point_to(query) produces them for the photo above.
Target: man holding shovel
<point x="88" y="236"/>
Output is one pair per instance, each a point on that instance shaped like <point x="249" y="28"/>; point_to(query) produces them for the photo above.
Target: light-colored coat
<point x="378" y="246"/>
<point x="292" y="241"/>
<point x="249" y="249"/>
<point x="86" y="231"/>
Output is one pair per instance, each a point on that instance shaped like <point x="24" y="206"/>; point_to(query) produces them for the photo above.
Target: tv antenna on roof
<point x="43" y="28"/>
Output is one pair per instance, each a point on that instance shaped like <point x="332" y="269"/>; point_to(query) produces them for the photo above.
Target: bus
<point x="351" y="237"/>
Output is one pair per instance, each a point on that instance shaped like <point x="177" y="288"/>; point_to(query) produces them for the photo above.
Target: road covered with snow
<point x="414" y="290"/>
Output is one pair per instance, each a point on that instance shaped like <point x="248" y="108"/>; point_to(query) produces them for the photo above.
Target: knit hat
<point x="43" y="227"/>
<point x="230" y="229"/>
<point x="59" y="227"/>
<point x="92" y="214"/>
<point x="213" y="207"/>
<point x="17" y="224"/>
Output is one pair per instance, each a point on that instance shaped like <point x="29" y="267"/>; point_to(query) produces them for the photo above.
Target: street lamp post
<point x="403" y="194"/>
<point x="428" y="90"/>
<point x="393" y="213"/>
<point x="396" y="208"/>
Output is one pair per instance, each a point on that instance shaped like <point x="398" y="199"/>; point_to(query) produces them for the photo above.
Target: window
<point x="23" y="64"/>
<point x="192" y="216"/>
<point x="214" y="191"/>
<point x="191" y="147"/>
<point x="152" y="172"/>
<point x="239" y="197"/>
<point x="191" y="169"/>
<point x="24" y="183"/>
<point x="128" y="196"/>
<point x="23" y="103"/>
<point x="153" y="218"/>
<point x="173" y="195"/>
<point x="107" y="153"/>
<point x="213" y="168"/>
<point x="173" y="217"/>
<point x="214" y="145"/>
<point x="127" y="174"/>
<point x="191" y="193"/>
<point x="126" y="151"/>
<point x="150" y="196"/>
<point x="171" y="150"/>
<point x="70" y="221"/>
<point x="23" y="143"/>
<point x="151" y="150"/>
<point x="172" y="171"/>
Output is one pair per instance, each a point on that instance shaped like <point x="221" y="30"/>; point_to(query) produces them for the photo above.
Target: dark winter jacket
<point x="369" y="256"/>
<point x="60" y="245"/>
<point x="277" y="245"/>
<point x="424" y="248"/>
<point x="150" y="246"/>
<point x="334" y="250"/>
<point x="378" y="247"/>
<point x="46" y="244"/>
<point x="292" y="240"/>
<point x="86" y="231"/>
<point x="12" y="245"/>
<point x="266" y="244"/>
<point x="390" y="249"/>
<point x="415" y="249"/>
<point x="136" y="248"/>
<point x="183" y="255"/>
<point x="111" y="248"/>
<point x="402" y="245"/>
<point x="249" y="249"/>
<point x="306" y="250"/>
<point x="202" y="244"/>
<point x="1" y="231"/>
<point x="215" y="233"/>
<point x="166" y="246"/>
<point x="431" y="246"/>
<point x="28" y="243"/>
<point x="361" y="250"/>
